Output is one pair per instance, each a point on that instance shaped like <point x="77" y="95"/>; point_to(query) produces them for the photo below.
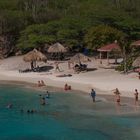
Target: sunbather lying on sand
<point x="64" y="75"/>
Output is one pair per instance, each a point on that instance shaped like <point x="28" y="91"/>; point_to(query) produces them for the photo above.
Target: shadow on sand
<point x="45" y="68"/>
<point x="38" y="69"/>
<point x="91" y="69"/>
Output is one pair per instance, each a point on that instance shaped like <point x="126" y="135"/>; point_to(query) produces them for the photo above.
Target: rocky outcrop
<point x="6" y="49"/>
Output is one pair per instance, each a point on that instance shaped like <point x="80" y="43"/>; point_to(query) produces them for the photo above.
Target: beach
<point x="104" y="80"/>
<point x="66" y="113"/>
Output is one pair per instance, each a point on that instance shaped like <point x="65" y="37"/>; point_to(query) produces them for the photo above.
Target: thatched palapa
<point x="57" y="48"/>
<point x="79" y="57"/>
<point x="34" y="56"/>
<point x="136" y="63"/>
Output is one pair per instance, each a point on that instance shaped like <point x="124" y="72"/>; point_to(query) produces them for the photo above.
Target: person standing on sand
<point x="136" y="96"/>
<point x="93" y="94"/>
<point x="66" y="86"/>
<point x="42" y="83"/>
<point x="57" y="67"/>
<point x="117" y="94"/>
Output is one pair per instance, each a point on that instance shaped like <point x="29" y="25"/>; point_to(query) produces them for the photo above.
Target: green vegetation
<point x="102" y="34"/>
<point x="27" y="24"/>
<point x="128" y="65"/>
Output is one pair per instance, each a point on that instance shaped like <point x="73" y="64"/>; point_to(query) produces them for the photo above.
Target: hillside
<point x="71" y="20"/>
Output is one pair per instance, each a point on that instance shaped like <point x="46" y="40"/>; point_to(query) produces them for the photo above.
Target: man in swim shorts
<point x="93" y="94"/>
<point x="136" y="96"/>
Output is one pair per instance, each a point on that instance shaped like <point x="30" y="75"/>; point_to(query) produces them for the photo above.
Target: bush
<point x="128" y="65"/>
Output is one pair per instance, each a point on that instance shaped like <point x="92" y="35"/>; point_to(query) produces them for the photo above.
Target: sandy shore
<point x="104" y="80"/>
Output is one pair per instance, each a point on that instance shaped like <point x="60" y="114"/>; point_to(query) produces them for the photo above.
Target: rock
<point x="18" y="53"/>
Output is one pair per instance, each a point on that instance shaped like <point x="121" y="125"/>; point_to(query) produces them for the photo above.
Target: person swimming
<point x="31" y="111"/>
<point x="28" y="111"/>
<point x="43" y="101"/>
<point x="9" y="106"/>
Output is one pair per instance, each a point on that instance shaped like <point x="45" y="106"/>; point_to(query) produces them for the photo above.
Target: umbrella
<point x="79" y="57"/>
<point x="34" y="56"/>
<point x="57" y="48"/>
<point x="136" y="62"/>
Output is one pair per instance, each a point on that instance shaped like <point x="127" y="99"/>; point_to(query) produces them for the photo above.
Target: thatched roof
<point x="136" y="63"/>
<point x="57" y="48"/>
<point x="34" y="55"/>
<point x="136" y="43"/>
<point x="79" y="57"/>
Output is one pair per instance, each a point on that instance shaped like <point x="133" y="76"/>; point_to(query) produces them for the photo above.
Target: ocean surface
<point x="66" y="116"/>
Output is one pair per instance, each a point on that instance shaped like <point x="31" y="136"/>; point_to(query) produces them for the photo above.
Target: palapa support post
<point x="100" y="57"/>
<point x="32" y="65"/>
<point x="107" y="58"/>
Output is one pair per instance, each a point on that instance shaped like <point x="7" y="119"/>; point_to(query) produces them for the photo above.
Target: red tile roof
<point x="109" y="47"/>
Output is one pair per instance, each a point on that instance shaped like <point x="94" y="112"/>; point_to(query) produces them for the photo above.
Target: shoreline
<point x="52" y="81"/>
<point x="33" y="86"/>
<point x="57" y="83"/>
<point x="127" y="106"/>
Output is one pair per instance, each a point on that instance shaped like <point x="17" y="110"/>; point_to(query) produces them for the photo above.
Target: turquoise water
<point x="67" y="116"/>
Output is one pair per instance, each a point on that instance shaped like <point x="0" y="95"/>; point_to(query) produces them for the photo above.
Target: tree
<point x="65" y="21"/>
<point x="101" y="35"/>
<point x="68" y="32"/>
<point x="35" y="36"/>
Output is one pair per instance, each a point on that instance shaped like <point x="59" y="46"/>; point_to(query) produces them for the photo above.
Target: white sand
<point x="101" y="79"/>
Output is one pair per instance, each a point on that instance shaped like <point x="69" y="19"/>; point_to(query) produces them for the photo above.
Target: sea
<point x="65" y="116"/>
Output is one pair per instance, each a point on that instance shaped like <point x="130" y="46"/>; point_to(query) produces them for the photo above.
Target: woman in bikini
<point x="117" y="94"/>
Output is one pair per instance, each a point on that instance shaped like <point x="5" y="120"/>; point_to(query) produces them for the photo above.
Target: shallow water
<point x="67" y="116"/>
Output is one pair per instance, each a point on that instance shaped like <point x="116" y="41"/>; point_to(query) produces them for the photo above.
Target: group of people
<point x="29" y="111"/>
<point x="41" y="83"/>
<point x="67" y="87"/>
<point x="43" y="101"/>
<point x="80" y="67"/>
<point x="117" y="96"/>
<point x="43" y="98"/>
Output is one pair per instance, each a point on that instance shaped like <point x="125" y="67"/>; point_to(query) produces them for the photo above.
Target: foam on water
<point x="67" y="116"/>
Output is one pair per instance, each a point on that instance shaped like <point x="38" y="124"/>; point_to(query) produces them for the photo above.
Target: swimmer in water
<point x="9" y="106"/>
<point x="43" y="101"/>
<point x="28" y="111"/>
